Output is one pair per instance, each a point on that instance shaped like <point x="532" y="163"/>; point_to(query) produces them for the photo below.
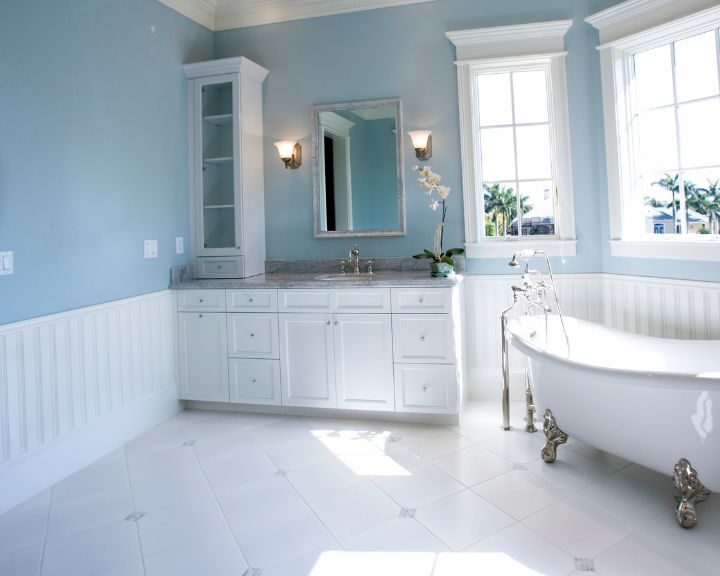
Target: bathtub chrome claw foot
<point x="554" y="436"/>
<point x="690" y="491"/>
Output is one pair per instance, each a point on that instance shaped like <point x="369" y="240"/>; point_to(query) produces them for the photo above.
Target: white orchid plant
<point x="430" y="181"/>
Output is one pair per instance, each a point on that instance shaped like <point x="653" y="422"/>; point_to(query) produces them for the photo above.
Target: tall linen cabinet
<point x="227" y="200"/>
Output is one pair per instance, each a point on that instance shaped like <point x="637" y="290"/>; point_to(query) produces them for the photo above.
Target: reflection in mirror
<point x="357" y="169"/>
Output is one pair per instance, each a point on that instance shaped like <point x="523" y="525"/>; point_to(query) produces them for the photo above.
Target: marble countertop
<point x="319" y="280"/>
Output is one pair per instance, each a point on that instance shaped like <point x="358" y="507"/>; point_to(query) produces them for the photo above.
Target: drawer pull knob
<point x="219" y="266"/>
<point x="421" y="299"/>
<point x="199" y="315"/>
<point x="422" y="338"/>
<point x="201" y="300"/>
<point x="254" y="381"/>
<point x="329" y="323"/>
<point x="252" y="335"/>
<point x="250" y="300"/>
<point x="426" y="387"/>
<point x="336" y="322"/>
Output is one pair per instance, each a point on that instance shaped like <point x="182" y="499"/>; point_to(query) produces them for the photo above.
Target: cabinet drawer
<point x="201" y="300"/>
<point x="305" y="300"/>
<point x="253" y="335"/>
<point x="426" y="300"/>
<point x="255" y="381"/>
<point x="425" y="338"/>
<point x="220" y="267"/>
<point x="363" y="300"/>
<point x="251" y="300"/>
<point x="426" y="388"/>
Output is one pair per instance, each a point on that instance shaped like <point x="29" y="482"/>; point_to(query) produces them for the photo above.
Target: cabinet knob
<point x="421" y="300"/>
<point x="426" y="387"/>
<point x="200" y="301"/>
<point x="252" y="335"/>
<point x="219" y="266"/>
<point x="254" y="380"/>
<point x="199" y="315"/>
<point x="422" y="338"/>
<point x="336" y="322"/>
<point x="329" y="323"/>
<point x="250" y="300"/>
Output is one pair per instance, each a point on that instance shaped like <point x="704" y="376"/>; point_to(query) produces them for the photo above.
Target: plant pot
<point x="442" y="270"/>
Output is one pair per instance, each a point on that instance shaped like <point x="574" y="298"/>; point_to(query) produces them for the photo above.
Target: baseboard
<point x="40" y="469"/>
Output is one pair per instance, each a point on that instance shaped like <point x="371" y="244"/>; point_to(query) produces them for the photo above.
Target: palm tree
<point x="492" y="202"/>
<point x="706" y="201"/>
<point x="672" y="183"/>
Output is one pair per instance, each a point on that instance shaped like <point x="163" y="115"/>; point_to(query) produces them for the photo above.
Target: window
<point x="661" y="95"/>
<point x="514" y="130"/>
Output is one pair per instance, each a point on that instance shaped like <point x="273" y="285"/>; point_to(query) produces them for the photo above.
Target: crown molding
<point x="228" y="14"/>
<point x="201" y="11"/>
<point x="633" y="16"/>
<point x="516" y="40"/>
<point x="225" y="66"/>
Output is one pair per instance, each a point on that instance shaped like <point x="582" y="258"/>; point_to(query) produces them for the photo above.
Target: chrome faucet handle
<point x="343" y="263"/>
<point x="370" y="266"/>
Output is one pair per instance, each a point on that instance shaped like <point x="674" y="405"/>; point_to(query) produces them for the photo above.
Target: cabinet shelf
<point x="218" y="119"/>
<point x="217" y="206"/>
<point x="218" y="161"/>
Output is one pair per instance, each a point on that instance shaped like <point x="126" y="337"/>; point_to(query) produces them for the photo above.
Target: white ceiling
<point x="226" y="14"/>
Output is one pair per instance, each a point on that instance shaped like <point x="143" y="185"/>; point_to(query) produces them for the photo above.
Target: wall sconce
<point x="290" y="153"/>
<point x="422" y="142"/>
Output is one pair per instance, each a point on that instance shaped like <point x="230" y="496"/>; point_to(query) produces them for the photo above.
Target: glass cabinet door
<point x="218" y="219"/>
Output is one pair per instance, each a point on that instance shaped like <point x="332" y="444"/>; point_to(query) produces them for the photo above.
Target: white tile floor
<point x="212" y="494"/>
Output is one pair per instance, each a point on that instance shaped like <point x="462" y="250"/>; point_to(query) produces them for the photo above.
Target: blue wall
<point x="402" y="52"/>
<point x="93" y="149"/>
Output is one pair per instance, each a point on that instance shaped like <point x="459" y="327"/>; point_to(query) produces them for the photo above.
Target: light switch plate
<point x="151" y="249"/>
<point x="179" y="245"/>
<point x="7" y="264"/>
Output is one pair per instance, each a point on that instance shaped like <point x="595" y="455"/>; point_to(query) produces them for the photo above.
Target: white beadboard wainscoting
<point x="652" y="306"/>
<point x="76" y="385"/>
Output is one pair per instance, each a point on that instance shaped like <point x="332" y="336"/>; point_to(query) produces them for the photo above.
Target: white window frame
<point x="626" y="29"/>
<point x="508" y="48"/>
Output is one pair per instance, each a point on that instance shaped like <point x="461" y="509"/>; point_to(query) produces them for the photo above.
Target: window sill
<point x="506" y="247"/>
<point x="707" y="250"/>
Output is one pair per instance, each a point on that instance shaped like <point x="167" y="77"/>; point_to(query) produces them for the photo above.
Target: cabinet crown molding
<point x="225" y="66"/>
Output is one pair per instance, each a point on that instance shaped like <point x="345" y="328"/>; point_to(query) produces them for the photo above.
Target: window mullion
<point x="682" y="211"/>
<point x="515" y="153"/>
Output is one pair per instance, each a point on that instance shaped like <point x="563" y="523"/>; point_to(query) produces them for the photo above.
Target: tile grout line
<point x="134" y="507"/>
<point x="47" y="525"/>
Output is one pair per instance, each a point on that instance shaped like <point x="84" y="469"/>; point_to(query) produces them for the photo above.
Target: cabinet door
<point x="364" y="361"/>
<point x="203" y="356"/>
<point x="307" y="365"/>
<point x="424" y="338"/>
<point x="253" y="335"/>
<point x="255" y="381"/>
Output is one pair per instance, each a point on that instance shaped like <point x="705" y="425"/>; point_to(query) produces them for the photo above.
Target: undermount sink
<point x="345" y="277"/>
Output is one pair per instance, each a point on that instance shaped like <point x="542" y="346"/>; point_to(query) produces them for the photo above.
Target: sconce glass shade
<point x="422" y="142"/>
<point x="290" y="153"/>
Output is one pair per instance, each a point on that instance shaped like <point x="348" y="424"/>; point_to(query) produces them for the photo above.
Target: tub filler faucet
<point x="355" y="259"/>
<point x="532" y="293"/>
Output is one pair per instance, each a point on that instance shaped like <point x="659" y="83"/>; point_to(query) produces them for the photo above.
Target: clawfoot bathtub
<point x="648" y="400"/>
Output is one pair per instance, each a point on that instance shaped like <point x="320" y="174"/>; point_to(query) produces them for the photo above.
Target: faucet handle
<point x="370" y="266"/>
<point x="343" y="263"/>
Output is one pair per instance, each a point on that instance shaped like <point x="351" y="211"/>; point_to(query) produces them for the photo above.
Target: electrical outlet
<point x="179" y="245"/>
<point x="151" y="249"/>
<point x="7" y="265"/>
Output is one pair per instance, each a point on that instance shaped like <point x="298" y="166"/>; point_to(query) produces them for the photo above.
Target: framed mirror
<point x="358" y="187"/>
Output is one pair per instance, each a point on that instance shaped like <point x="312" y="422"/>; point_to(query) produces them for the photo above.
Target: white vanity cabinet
<point x="425" y="342"/>
<point x="355" y="348"/>
<point x="253" y="346"/>
<point x="227" y="208"/>
<point x="202" y="340"/>
<point x="334" y="353"/>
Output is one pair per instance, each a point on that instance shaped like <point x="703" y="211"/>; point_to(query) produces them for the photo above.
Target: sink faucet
<point x="355" y="259"/>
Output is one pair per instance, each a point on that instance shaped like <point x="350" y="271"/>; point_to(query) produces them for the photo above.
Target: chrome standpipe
<point x="690" y="491"/>
<point x="530" y="415"/>
<point x="506" y="359"/>
<point x="554" y="437"/>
